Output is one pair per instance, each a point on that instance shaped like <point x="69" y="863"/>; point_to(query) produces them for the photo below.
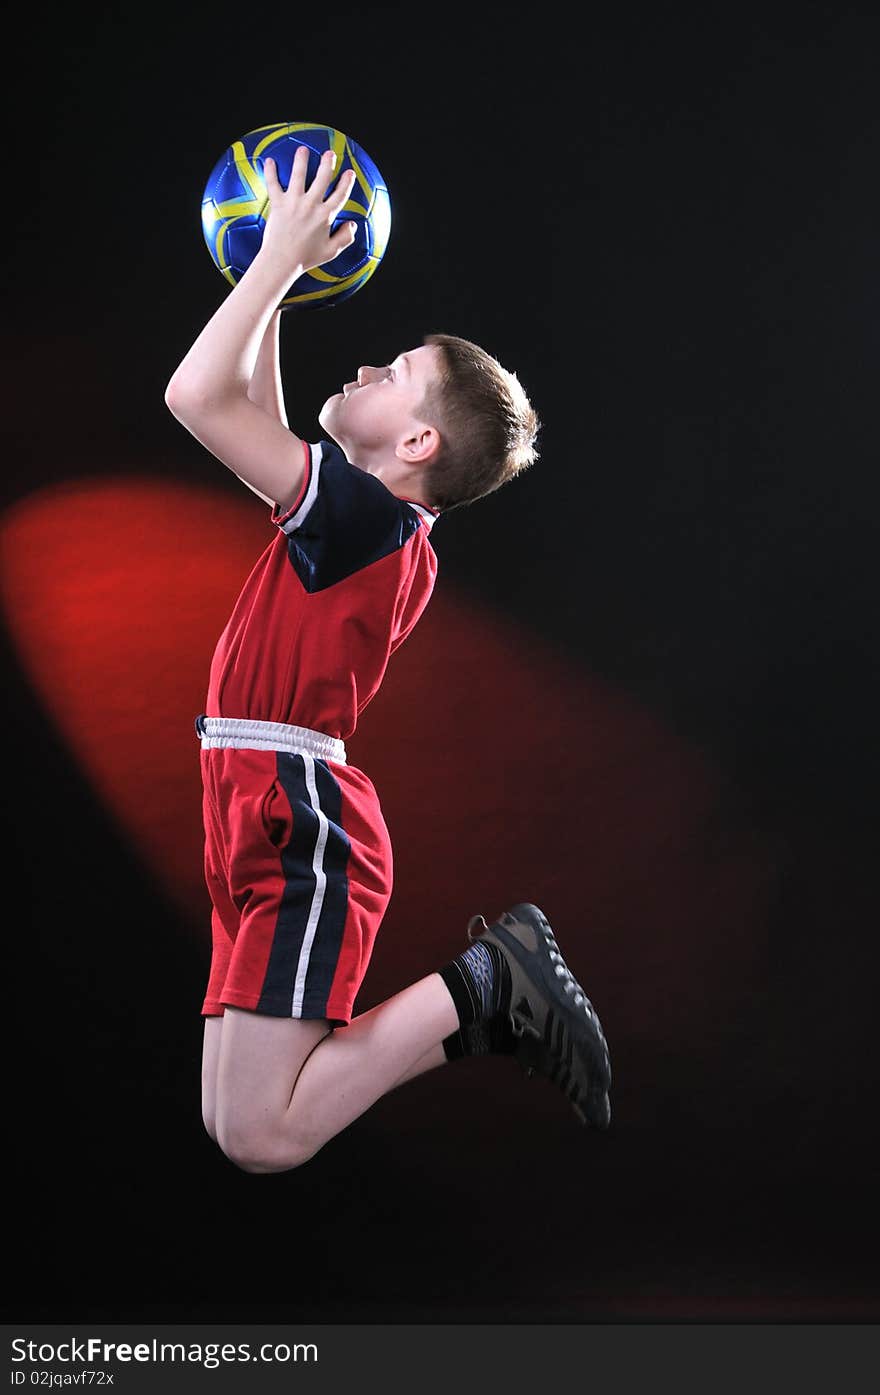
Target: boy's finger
<point x="270" y="173"/>
<point x="342" y="193"/>
<point x="343" y="237"/>
<point x="299" y="168"/>
<point x="324" y="174"/>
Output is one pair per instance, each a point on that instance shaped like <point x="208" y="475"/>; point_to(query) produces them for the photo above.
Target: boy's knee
<point x="259" y="1152"/>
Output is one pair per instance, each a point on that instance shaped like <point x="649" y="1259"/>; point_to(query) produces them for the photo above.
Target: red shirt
<point x="334" y="594"/>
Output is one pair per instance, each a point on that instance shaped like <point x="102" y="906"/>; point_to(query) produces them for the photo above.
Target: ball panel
<point x="234" y="206"/>
<point x="380" y="222"/>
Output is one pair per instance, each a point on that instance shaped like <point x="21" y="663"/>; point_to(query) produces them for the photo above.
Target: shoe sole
<point x="549" y="1023"/>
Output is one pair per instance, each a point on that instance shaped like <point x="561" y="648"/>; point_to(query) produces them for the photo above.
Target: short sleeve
<point x="343" y="521"/>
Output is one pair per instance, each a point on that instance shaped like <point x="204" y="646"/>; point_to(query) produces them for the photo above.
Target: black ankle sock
<point x="490" y="1038"/>
<point x="460" y="993"/>
<point x="478" y="985"/>
<point x="453" y="1047"/>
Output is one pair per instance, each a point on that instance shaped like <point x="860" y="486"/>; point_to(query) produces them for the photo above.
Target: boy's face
<point x="379" y="409"/>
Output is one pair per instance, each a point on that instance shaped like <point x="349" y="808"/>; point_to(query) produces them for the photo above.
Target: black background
<point x="668" y="225"/>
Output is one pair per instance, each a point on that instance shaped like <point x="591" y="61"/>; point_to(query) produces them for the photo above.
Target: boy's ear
<point x="419" y="446"/>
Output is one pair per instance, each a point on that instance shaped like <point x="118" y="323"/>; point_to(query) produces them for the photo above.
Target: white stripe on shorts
<point x="320" y="887"/>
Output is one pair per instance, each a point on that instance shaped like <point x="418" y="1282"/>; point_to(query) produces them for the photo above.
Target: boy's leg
<point x="285" y="1086"/>
<point x="434" y="1057"/>
<point x="210" y="1058"/>
<point x="479" y="1039"/>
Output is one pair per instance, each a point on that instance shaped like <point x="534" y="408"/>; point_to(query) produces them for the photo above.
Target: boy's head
<point x="444" y="423"/>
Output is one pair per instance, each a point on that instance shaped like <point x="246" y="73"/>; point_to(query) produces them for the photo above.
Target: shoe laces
<point x="571" y="986"/>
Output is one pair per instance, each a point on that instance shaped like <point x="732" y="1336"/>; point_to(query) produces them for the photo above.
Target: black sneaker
<point x="556" y="1031"/>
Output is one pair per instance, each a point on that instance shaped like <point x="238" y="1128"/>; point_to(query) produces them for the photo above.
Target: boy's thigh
<point x="258" y="1060"/>
<point x="210" y="1059"/>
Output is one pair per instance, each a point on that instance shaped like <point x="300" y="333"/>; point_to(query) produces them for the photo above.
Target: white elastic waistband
<point x="246" y="735"/>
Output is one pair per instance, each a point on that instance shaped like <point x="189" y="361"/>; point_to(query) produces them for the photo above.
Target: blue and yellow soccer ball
<point x="235" y="199"/>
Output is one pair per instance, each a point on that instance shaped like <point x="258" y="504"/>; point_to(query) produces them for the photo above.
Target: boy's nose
<point x="368" y="374"/>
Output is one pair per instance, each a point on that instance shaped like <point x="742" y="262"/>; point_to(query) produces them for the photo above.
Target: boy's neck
<point x="404" y="483"/>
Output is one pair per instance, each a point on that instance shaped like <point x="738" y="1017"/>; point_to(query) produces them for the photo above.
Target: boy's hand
<point x="297" y="233"/>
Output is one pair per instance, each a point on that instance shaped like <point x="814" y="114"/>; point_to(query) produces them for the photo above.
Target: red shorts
<point x="299" y="868"/>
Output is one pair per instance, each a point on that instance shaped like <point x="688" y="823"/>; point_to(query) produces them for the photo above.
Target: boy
<point x="297" y="855"/>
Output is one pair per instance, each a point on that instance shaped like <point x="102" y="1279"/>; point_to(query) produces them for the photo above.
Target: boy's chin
<point x="327" y="414"/>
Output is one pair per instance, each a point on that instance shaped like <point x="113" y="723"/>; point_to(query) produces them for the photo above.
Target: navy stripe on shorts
<point x="311" y="919"/>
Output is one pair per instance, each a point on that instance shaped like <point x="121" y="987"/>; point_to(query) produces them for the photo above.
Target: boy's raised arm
<point x="266" y="388"/>
<point x="209" y="391"/>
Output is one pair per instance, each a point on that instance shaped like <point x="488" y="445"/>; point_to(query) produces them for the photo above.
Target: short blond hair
<point x="486" y="423"/>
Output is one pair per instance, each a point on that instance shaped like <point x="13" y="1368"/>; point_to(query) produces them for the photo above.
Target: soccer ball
<point x="235" y="198"/>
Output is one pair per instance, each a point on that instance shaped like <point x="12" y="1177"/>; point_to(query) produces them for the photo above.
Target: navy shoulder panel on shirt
<point x="350" y="521"/>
